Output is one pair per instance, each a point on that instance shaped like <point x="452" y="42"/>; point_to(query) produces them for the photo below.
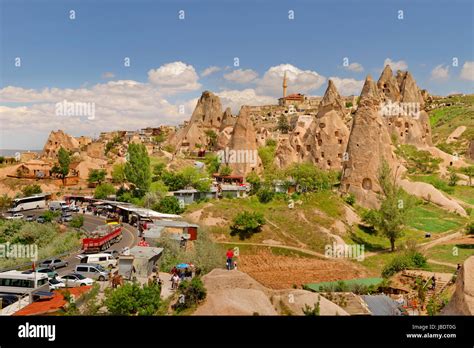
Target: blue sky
<point x="57" y="52"/>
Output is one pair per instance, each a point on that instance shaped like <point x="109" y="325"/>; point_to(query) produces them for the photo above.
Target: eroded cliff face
<point x="462" y="302"/>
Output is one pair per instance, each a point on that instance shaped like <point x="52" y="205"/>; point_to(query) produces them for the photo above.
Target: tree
<point x="225" y="171"/>
<point x="118" y="173"/>
<point x="453" y="177"/>
<point x="211" y="139"/>
<point x="192" y="292"/>
<point x="212" y="163"/>
<point x="469" y="171"/>
<point x="5" y="202"/>
<point x="395" y="206"/>
<point x="283" y="125"/>
<point x="132" y="299"/>
<point x="30" y="190"/>
<point x="254" y="180"/>
<point x="77" y="221"/>
<point x="102" y="191"/>
<point x="308" y="177"/>
<point x="246" y="223"/>
<point x="158" y="170"/>
<point x="64" y="161"/>
<point x="137" y="168"/>
<point x="96" y="176"/>
<point x="168" y="205"/>
<point x="265" y="195"/>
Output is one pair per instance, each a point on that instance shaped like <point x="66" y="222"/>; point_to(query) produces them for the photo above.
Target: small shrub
<point x="265" y="195"/>
<point x="350" y="199"/>
<point x="247" y="223"/>
<point x="77" y="221"/>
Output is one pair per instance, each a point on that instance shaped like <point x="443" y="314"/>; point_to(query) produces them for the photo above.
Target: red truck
<point x="102" y="238"/>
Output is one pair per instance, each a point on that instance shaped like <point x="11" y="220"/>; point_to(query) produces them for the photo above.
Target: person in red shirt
<point x="230" y="256"/>
<point x="143" y="242"/>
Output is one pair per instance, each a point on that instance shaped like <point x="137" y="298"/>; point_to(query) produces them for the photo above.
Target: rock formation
<point x="462" y="302"/>
<point x="242" y="153"/>
<point x="206" y="116"/>
<point x="402" y="108"/>
<point x="369" y="144"/>
<point x="56" y="140"/>
<point x="320" y="140"/>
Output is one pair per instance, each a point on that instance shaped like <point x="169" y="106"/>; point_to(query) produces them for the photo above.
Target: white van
<point x="105" y="260"/>
<point x="57" y="205"/>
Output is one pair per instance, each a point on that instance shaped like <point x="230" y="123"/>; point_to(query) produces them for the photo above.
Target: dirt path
<point x="443" y="263"/>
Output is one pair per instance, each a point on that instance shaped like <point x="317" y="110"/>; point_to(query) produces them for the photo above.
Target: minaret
<point x="284" y="85"/>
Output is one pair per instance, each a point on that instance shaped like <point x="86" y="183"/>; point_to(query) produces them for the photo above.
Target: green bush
<point x="168" y="205"/>
<point x="265" y="195"/>
<point x="77" y="221"/>
<point x="131" y="299"/>
<point x="407" y="260"/>
<point x="30" y="190"/>
<point x="470" y="228"/>
<point x="246" y="223"/>
<point x="350" y="199"/>
<point x="191" y="293"/>
<point x="102" y="191"/>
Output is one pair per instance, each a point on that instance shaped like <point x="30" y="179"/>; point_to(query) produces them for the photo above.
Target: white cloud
<point x="108" y="75"/>
<point x="241" y="76"/>
<point x="467" y="72"/>
<point x="440" y="72"/>
<point x="347" y="86"/>
<point x="299" y="81"/>
<point x="396" y="65"/>
<point x="210" y="70"/>
<point x="123" y="104"/>
<point x="355" y="67"/>
<point x="175" y="77"/>
<point x="235" y="99"/>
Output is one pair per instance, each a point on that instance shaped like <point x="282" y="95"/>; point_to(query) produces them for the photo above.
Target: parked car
<point x="30" y="218"/>
<point x="66" y="218"/>
<point x="113" y="253"/>
<point x="103" y="259"/>
<point x="93" y="271"/>
<point x="55" y="284"/>
<point x="74" y="208"/>
<point x="74" y="280"/>
<point x="44" y="270"/>
<point x="53" y="263"/>
<point x="16" y="216"/>
<point x="40" y="219"/>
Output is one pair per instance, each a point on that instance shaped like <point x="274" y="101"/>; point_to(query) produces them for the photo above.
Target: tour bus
<point x="16" y="282"/>
<point x="26" y="203"/>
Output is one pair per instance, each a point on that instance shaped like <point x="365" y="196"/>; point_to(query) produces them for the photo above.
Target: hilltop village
<point x="284" y="188"/>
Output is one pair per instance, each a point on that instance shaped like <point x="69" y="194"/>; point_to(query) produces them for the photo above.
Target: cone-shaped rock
<point x="242" y="155"/>
<point x="388" y="85"/>
<point x="331" y="100"/>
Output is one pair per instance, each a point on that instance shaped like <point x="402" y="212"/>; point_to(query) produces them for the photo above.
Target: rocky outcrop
<point x="402" y="108"/>
<point x="56" y="140"/>
<point x="321" y="140"/>
<point x="206" y="116"/>
<point x="462" y="301"/>
<point x="242" y="153"/>
<point x="369" y="144"/>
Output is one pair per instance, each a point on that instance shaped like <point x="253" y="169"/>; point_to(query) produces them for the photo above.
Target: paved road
<point x="129" y="237"/>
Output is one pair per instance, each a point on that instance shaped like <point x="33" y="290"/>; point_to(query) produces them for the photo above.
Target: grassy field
<point x="451" y="253"/>
<point x="464" y="193"/>
<point x="430" y="218"/>
<point x="299" y="227"/>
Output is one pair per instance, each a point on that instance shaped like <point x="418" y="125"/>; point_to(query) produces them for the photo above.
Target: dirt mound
<point x="236" y="293"/>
